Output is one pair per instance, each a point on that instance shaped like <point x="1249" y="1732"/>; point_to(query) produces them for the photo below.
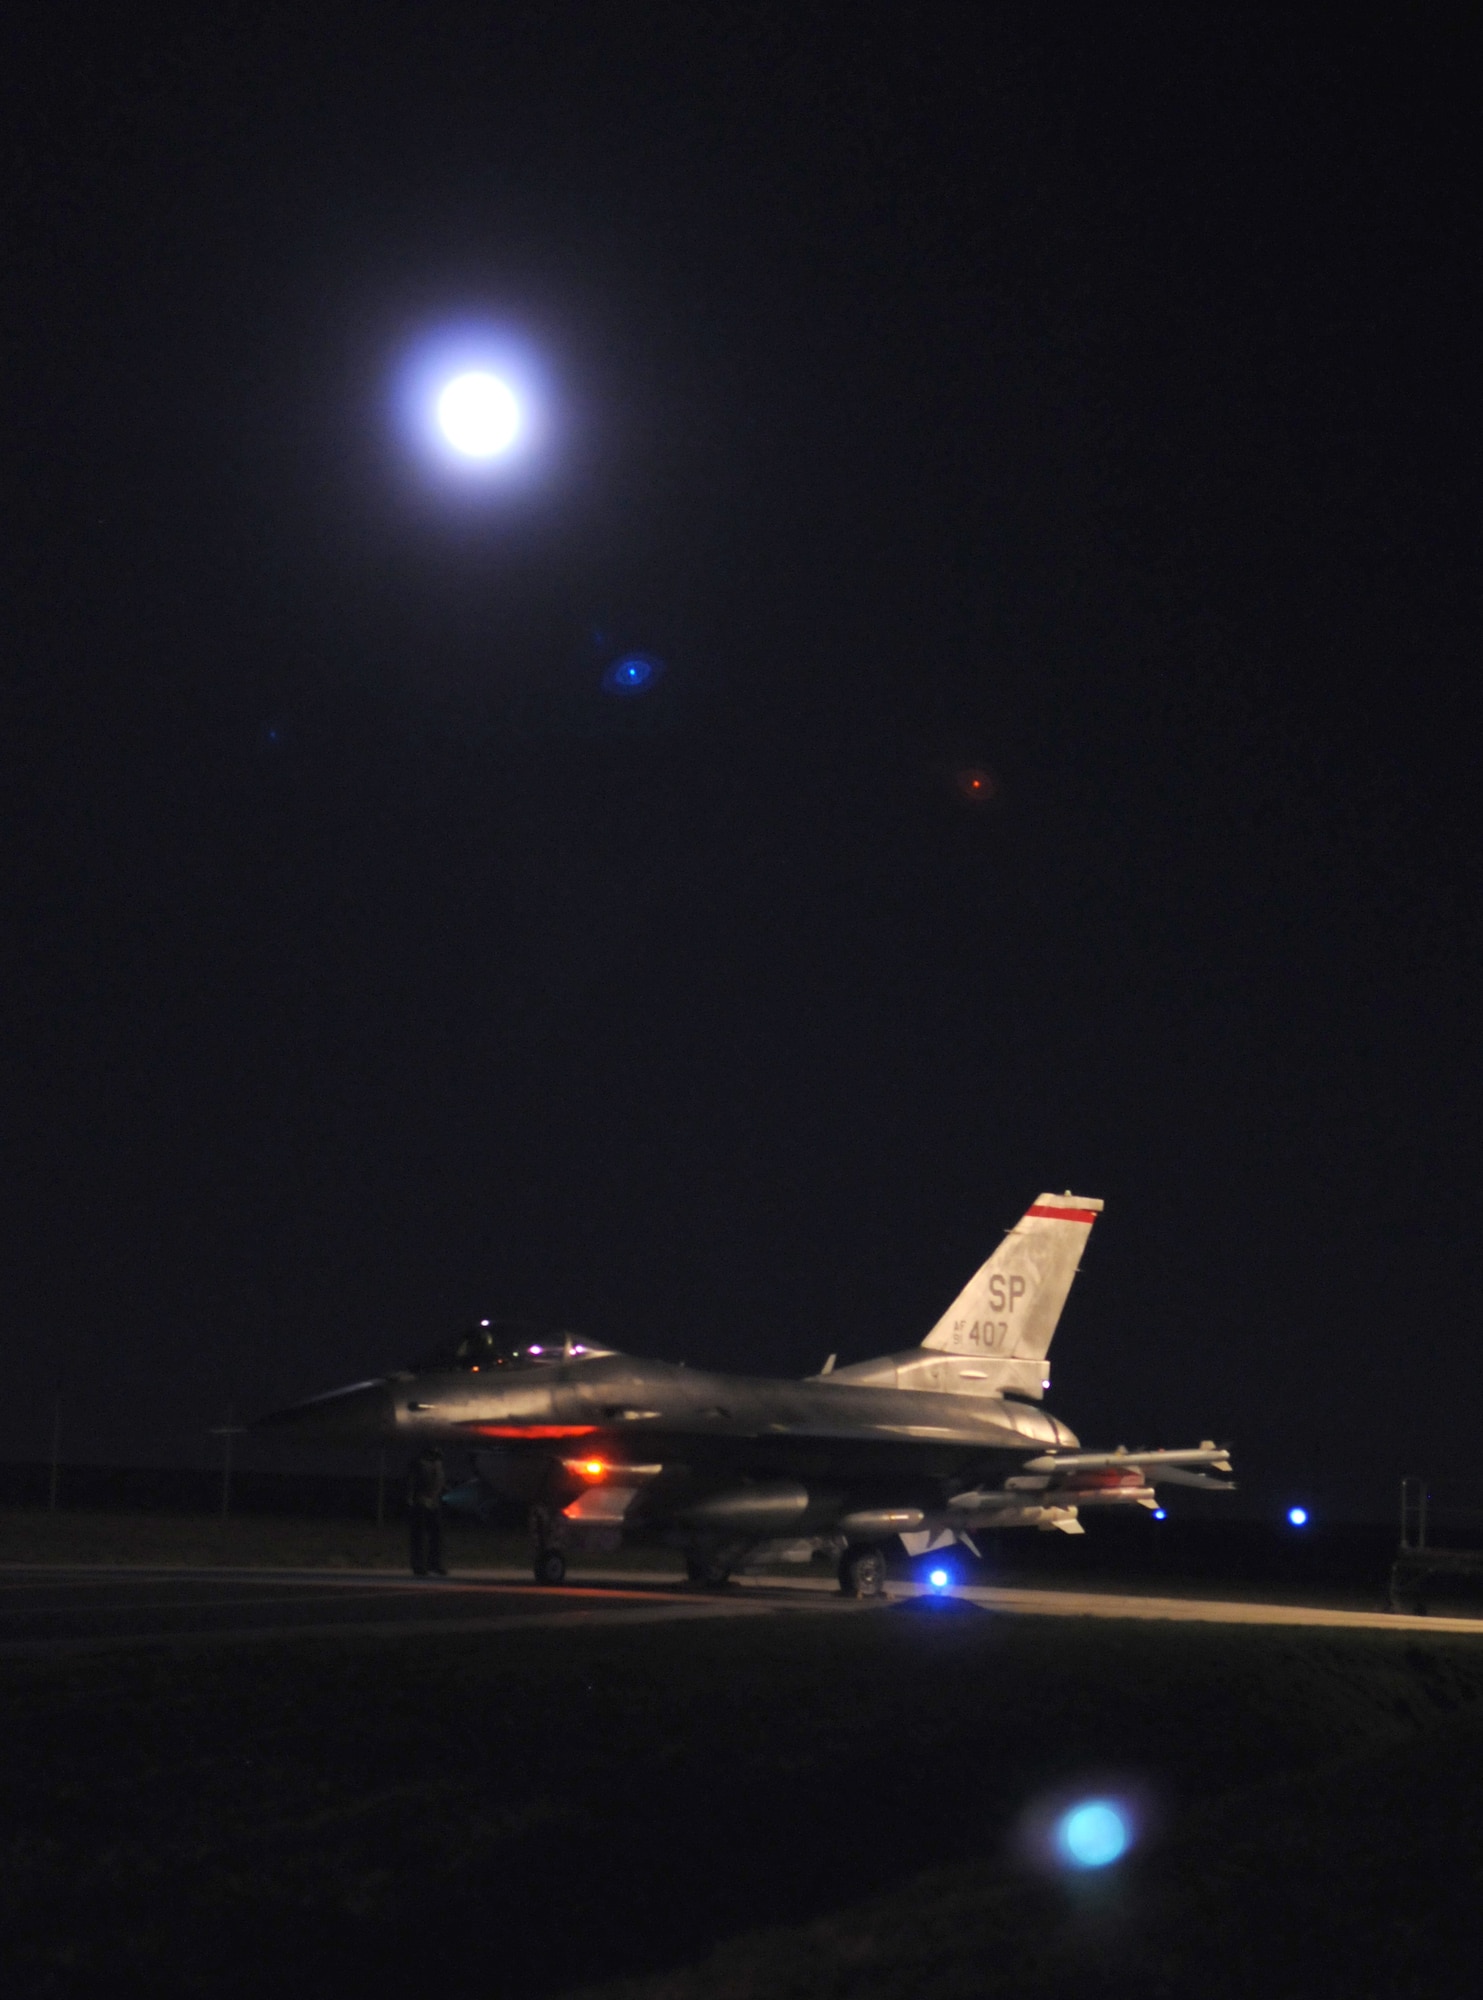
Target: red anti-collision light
<point x="529" y="1430"/>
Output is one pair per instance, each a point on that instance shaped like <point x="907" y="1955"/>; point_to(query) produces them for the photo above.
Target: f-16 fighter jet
<point x="933" y="1444"/>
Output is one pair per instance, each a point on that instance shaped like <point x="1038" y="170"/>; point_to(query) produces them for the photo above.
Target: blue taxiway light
<point x="939" y="1579"/>
<point x="1161" y="1513"/>
<point x="1298" y="1516"/>
<point x="1092" y="1835"/>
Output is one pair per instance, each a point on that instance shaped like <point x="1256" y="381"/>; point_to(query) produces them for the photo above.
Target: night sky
<point x="1083" y="397"/>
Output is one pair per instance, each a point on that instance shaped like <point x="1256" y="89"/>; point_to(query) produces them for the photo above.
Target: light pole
<point x="226" y="1432"/>
<point x="56" y="1449"/>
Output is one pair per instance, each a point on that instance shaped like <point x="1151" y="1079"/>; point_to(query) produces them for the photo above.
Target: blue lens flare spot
<point x="939" y="1579"/>
<point x="1298" y="1516"/>
<point x="1093" y="1835"/>
<point x="632" y="674"/>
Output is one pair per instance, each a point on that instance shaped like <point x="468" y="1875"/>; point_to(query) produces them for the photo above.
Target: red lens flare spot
<point x="976" y="785"/>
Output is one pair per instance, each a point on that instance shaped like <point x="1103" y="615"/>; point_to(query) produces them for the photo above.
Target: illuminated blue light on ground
<point x="1298" y="1516"/>
<point x="632" y="674"/>
<point x="1161" y="1513"/>
<point x="1092" y="1835"/>
<point x="939" y="1579"/>
<point x="478" y="415"/>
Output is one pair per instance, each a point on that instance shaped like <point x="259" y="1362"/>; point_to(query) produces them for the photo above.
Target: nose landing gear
<point x="548" y="1560"/>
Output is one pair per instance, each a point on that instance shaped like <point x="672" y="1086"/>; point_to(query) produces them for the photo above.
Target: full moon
<point x="478" y="415"/>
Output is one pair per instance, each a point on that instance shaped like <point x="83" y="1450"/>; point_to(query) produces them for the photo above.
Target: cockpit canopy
<point x="491" y="1344"/>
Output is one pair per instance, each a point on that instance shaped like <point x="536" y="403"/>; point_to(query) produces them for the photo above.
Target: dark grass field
<point x="809" y="1805"/>
<point x="1359" y="1878"/>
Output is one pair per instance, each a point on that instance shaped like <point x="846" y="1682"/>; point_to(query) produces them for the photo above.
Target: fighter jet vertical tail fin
<point x="1011" y="1306"/>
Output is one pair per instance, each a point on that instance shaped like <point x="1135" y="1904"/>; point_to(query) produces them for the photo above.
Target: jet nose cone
<point x="361" y="1414"/>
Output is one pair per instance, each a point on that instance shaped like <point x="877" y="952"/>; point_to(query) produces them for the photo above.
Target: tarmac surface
<point x="58" y="1610"/>
<point x="64" y="1609"/>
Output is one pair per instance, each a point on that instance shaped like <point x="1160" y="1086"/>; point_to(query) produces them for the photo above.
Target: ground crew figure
<point x="425" y="1487"/>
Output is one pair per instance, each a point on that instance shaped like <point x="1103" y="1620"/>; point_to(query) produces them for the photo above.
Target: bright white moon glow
<point x="478" y="415"/>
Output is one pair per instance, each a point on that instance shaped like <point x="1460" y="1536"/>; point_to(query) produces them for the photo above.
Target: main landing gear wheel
<point x="862" y="1573"/>
<point x="710" y="1572"/>
<point x="550" y="1566"/>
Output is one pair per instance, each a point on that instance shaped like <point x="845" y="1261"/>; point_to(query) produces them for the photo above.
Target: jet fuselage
<point x="931" y="1443"/>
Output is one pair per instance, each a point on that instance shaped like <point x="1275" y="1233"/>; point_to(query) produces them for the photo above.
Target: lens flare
<point x="976" y="785"/>
<point x="632" y="673"/>
<point x="1298" y="1516"/>
<point x="1092" y="1835"/>
<point x="478" y="415"/>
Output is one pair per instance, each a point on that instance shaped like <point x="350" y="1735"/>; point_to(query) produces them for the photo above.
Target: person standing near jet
<point x="426" y="1483"/>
